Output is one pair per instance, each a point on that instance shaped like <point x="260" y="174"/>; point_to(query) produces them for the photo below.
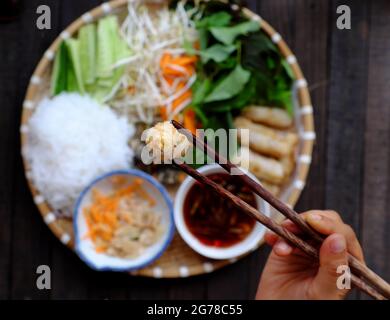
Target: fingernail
<point x="283" y="246"/>
<point x="315" y="216"/>
<point x="338" y="244"/>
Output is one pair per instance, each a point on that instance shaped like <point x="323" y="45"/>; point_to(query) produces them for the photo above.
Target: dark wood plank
<point x="31" y="244"/>
<point x="30" y="237"/>
<point x="350" y="169"/>
<point x="256" y="263"/>
<point x="280" y="15"/>
<point x="8" y="80"/>
<point x="376" y="193"/>
<point x="179" y="288"/>
<point x="73" y="9"/>
<point x="70" y="275"/>
<point x="111" y="286"/>
<point x="347" y="108"/>
<point x="141" y="288"/>
<point x="251" y="4"/>
<point x="230" y="282"/>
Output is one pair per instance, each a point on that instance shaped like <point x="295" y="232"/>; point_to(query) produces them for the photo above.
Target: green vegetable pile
<point x="239" y="66"/>
<point x="85" y="64"/>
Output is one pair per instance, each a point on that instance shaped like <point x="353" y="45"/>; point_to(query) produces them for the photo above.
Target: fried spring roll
<point x="264" y="168"/>
<point x="265" y="140"/>
<point x="288" y="164"/>
<point x="273" y="188"/>
<point x="274" y="117"/>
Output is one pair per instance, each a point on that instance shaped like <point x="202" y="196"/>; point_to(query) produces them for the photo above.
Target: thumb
<point x="333" y="254"/>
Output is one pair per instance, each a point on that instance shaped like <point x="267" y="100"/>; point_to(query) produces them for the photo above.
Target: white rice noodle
<point x="73" y="140"/>
<point x="188" y="85"/>
<point x="179" y="109"/>
<point x="125" y="61"/>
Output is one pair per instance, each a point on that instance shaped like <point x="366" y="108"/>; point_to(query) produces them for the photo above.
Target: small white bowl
<point x="236" y="250"/>
<point x="103" y="262"/>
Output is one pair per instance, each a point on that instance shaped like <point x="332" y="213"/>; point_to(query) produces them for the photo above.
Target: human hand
<point x="290" y="274"/>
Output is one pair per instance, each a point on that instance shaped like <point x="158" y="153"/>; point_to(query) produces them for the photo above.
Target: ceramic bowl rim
<point x="170" y="229"/>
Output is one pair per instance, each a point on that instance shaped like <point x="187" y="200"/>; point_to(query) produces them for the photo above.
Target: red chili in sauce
<point x="213" y="220"/>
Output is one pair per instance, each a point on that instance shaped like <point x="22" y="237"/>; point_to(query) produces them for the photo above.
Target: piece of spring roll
<point x="266" y="140"/>
<point x="288" y="164"/>
<point x="264" y="168"/>
<point x="273" y="188"/>
<point x="274" y="117"/>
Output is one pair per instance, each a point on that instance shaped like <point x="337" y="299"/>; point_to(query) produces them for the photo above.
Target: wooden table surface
<point x="349" y="77"/>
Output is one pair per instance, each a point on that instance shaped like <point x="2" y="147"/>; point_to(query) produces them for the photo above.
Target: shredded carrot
<point x="138" y="181"/>
<point x="146" y="196"/>
<point x="101" y="249"/>
<point x="118" y="180"/>
<point x="175" y="70"/>
<point x="177" y="102"/>
<point x="184" y="60"/>
<point x="179" y="67"/>
<point x="163" y="113"/>
<point x="165" y="59"/>
<point x="169" y="80"/>
<point x="102" y="215"/>
<point x="190" y="120"/>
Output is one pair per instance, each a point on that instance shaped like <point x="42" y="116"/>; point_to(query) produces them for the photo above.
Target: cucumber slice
<point x="73" y="52"/>
<point x="72" y="85"/>
<point x="85" y="64"/>
<point x="87" y="53"/>
<point x="107" y="27"/>
<point x="59" y="73"/>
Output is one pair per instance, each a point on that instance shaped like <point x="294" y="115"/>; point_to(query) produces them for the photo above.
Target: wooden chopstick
<point x="358" y="268"/>
<point x="272" y="225"/>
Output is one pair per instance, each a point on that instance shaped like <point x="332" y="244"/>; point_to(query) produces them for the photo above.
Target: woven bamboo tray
<point x="179" y="260"/>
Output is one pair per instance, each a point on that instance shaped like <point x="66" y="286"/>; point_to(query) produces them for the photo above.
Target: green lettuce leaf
<point x="217" y="52"/>
<point x="230" y="86"/>
<point x="227" y="35"/>
<point x="219" y="19"/>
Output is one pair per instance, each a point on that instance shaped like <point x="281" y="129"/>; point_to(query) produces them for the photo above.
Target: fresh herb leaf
<point x="229" y="64"/>
<point x="229" y="86"/>
<point x="217" y="52"/>
<point x="272" y="73"/>
<point x="244" y="98"/>
<point x="201" y="115"/>
<point x="239" y="66"/>
<point x="200" y="89"/>
<point x="227" y="35"/>
<point x="287" y="68"/>
<point x="219" y="19"/>
<point x="203" y="38"/>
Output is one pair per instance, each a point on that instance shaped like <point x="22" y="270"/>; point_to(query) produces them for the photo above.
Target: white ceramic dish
<point x="246" y="245"/>
<point x="102" y="262"/>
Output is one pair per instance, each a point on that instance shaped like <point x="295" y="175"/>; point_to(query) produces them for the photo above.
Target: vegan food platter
<point x="118" y="70"/>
